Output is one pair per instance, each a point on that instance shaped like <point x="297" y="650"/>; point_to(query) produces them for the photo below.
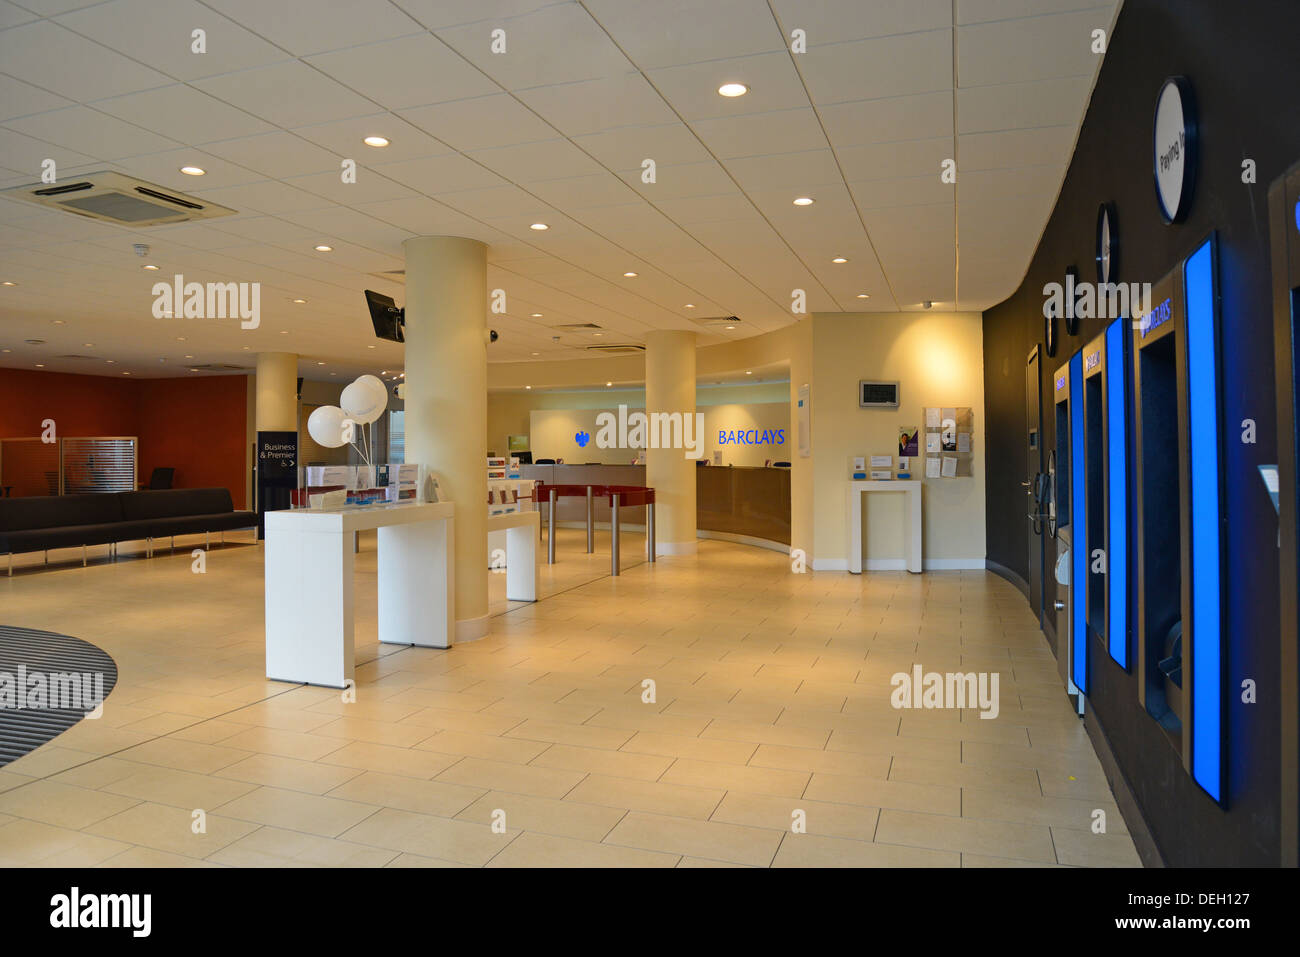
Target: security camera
<point x="492" y="335"/>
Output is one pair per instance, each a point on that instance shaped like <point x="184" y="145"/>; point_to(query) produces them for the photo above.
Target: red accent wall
<point x="196" y="426"/>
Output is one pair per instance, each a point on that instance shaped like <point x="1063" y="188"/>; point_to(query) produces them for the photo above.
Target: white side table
<point x="309" y="588"/>
<point x="911" y="489"/>
<point x="522" y="532"/>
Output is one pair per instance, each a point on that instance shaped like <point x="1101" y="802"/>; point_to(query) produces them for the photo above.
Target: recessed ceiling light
<point x="40" y="365"/>
<point x="10" y="350"/>
<point x="149" y="266"/>
<point x="126" y="373"/>
<point x="733" y="89"/>
<point x="863" y="295"/>
<point x="748" y="372"/>
<point x="193" y="170"/>
<point x="630" y="275"/>
<point x="378" y="142"/>
<point x="194" y="370"/>
<point x="803" y="201"/>
<point x="598" y="333"/>
<point x="535" y="353"/>
<point x="322" y="248"/>
<point x="689" y="305"/>
<point x="608" y="384"/>
<point x="731" y="327"/>
<point x="180" y="338"/>
<point x="333" y="373"/>
<point x="87" y="345"/>
<point x="320" y="363"/>
<point x="839" y="259"/>
<point x="284" y="332"/>
<point x="537" y="315"/>
<point x="60" y="322"/>
<point x="369" y="347"/>
<point x="110" y="361"/>
<point x="539" y="226"/>
<point x="8" y="283"/>
<point x="189" y="357"/>
<point x="527" y="387"/>
<point x="300" y="301"/>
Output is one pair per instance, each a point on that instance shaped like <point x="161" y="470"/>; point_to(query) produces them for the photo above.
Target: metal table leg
<point x="550" y="530"/>
<point x="613" y="538"/>
<point x="650" y="531"/>
<point x="591" y="528"/>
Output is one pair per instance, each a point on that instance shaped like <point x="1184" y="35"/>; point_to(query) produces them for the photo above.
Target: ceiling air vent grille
<point x="631" y="349"/>
<point x="577" y="326"/>
<point x="716" y="320"/>
<point x="116" y="198"/>
<point x="220" y="367"/>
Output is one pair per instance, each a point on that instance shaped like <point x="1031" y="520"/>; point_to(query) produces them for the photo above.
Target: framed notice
<point x="803" y="413"/>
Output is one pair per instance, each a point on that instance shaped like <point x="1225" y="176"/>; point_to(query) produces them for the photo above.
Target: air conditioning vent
<point x="220" y="367"/>
<point x="116" y="198"/>
<point x="392" y="275"/>
<point x="86" y="358"/>
<point x="630" y="349"/>
<point x="577" y="326"/>
<point x="716" y="320"/>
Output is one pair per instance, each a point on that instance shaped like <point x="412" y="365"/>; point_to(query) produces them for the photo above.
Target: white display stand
<point x="911" y="489"/>
<point x="309" y="589"/>
<point x="521" y="532"/>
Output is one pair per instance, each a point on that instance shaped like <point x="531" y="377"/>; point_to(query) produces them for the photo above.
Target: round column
<point x="446" y="400"/>
<point x="277" y="392"/>
<point x="670" y="388"/>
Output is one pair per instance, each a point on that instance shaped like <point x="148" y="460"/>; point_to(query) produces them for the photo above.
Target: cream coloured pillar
<point x="670" y="388"/>
<point x="446" y="399"/>
<point x="277" y="392"/>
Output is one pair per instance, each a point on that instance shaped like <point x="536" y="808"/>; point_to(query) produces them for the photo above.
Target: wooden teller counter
<point x="729" y="500"/>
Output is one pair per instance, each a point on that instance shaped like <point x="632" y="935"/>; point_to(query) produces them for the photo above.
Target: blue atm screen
<point x="1203" y="414"/>
<point x="1078" y="506"/>
<point x="1117" y="491"/>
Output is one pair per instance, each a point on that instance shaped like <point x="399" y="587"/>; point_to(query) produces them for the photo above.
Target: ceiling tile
<point x="186" y="114"/>
<point x="626" y="149"/>
<point x="897" y="160"/>
<point x="368" y="188"/>
<point x="833" y="21"/>
<point x="436" y="14"/>
<point x="346" y="138"/>
<point x="287" y="94"/>
<point x="411" y="71"/>
<point x="797" y="171"/>
<point x="480" y="123"/>
<point x="676" y="32"/>
<point x="863" y="122"/>
<point x="1018" y="105"/>
<point x="313" y="26"/>
<point x="88" y="131"/>
<point x="771" y="77"/>
<point x="757" y="134"/>
<point x="85" y="70"/>
<point x="276" y="155"/>
<point x="22" y="99"/>
<point x="439" y="175"/>
<point x="595" y="106"/>
<point x="160" y="34"/>
<point x="541" y="48"/>
<point x="1035" y="48"/>
<point x="868" y="69"/>
<point x="1046" y="145"/>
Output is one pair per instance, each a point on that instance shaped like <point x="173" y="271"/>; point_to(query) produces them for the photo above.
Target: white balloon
<point x="325" y="425"/>
<point x="365" y="399"/>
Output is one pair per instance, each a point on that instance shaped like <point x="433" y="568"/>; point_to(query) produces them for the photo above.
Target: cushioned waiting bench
<point x="43" y="522"/>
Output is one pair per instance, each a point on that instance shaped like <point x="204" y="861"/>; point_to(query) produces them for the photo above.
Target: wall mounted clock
<point x="1072" y="287"/>
<point x="1107" y="244"/>
<point x="1173" y="143"/>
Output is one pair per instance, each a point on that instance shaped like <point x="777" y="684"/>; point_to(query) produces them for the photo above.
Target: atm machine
<point x="1178" y="434"/>
<point x="1067" y="507"/>
<point x="1103" y="533"/>
<point x="1284" y="234"/>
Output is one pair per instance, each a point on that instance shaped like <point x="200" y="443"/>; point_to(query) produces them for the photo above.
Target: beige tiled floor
<point x="535" y="746"/>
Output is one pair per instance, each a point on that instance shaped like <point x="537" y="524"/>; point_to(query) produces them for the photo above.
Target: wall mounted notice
<point x="805" y="421"/>
<point x="949" y="442"/>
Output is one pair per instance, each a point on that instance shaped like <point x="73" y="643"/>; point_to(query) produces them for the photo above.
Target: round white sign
<point x="1172" y="151"/>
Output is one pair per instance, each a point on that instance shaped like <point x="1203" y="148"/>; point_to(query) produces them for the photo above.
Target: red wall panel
<point x="196" y="426"/>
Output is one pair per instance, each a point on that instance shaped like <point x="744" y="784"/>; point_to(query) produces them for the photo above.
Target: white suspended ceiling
<point x="554" y="130"/>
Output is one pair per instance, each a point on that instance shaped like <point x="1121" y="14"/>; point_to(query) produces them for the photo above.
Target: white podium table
<point x="911" y="489"/>
<point x="309" y="588"/>
<point x="522" y="532"/>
